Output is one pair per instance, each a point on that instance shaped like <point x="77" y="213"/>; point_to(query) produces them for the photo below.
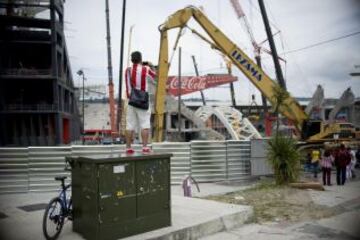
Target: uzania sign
<point x="190" y="84"/>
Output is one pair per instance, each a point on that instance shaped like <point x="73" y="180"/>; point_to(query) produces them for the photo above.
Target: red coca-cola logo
<point x="188" y="83"/>
<point x="191" y="84"/>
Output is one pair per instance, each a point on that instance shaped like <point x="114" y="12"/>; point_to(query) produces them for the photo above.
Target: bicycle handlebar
<point x="68" y="164"/>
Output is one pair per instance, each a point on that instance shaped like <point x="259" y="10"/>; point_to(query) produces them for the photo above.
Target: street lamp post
<point x="357" y="73"/>
<point x="81" y="73"/>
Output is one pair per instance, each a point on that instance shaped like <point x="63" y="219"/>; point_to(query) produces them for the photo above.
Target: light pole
<point x="81" y="73"/>
<point x="355" y="74"/>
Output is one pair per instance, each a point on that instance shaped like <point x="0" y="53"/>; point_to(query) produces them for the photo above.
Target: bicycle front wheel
<point x="53" y="219"/>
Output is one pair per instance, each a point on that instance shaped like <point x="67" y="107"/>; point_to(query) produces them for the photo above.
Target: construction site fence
<point x="32" y="169"/>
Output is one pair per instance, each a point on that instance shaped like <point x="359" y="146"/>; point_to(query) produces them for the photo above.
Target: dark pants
<point x="315" y="168"/>
<point x="340" y="175"/>
<point x="326" y="176"/>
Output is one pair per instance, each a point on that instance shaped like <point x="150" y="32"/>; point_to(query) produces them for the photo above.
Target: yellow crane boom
<point x="255" y="74"/>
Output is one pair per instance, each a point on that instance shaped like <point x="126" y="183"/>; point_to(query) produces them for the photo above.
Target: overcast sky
<point x="301" y="23"/>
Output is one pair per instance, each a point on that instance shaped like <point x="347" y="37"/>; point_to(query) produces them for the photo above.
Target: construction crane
<point x="220" y="42"/>
<point x="226" y="60"/>
<point x="197" y="74"/>
<point x="257" y="46"/>
<point x="311" y="131"/>
<point x="114" y="131"/>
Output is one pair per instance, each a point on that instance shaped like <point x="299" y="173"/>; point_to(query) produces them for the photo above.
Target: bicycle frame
<point x="65" y="204"/>
<point x="52" y="215"/>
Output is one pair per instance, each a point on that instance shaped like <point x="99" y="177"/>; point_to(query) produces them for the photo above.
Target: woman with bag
<point x="326" y="165"/>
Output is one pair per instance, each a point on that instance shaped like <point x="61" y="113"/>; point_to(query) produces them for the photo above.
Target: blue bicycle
<point x="57" y="211"/>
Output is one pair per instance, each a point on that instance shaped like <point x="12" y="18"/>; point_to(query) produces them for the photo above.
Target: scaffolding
<point x="38" y="106"/>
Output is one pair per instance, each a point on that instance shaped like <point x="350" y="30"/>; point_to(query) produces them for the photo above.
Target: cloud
<point x="302" y="23"/>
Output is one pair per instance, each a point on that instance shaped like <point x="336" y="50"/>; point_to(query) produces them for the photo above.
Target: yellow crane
<point x="312" y="131"/>
<point x="256" y="75"/>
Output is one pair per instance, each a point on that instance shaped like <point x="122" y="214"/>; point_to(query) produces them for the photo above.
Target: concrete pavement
<point x="192" y="218"/>
<point x="340" y="227"/>
<point x="343" y="226"/>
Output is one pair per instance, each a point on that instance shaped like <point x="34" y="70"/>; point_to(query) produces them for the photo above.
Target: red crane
<point x="113" y="125"/>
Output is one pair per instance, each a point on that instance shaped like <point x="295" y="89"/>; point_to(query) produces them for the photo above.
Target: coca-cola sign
<point x="190" y="84"/>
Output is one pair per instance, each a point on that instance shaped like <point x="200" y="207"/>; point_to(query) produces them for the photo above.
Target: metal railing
<point x="25" y="71"/>
<point x="33" y="168"/>
<point x="44" y="164"/>
<point x="180" y="162"/>
<point x="208" y="161"/>
<point x="29" y="107"/>
<point x="14" y="169"/>
<point x="238" y="160"/>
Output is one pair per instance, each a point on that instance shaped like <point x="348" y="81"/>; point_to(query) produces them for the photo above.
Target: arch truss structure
<point x="237" y="126"/>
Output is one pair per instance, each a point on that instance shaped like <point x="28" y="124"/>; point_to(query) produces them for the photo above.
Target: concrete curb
<point x="223" y="223"/>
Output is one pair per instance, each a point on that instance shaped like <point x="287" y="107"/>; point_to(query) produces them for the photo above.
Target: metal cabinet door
<point x="153" y="186"/>
<point x="117" y="196"/>
<point x="84" y="199"/>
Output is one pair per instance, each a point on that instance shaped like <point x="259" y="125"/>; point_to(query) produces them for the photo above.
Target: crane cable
<point x="180" y="33"/>
<point x="322" y="42"/>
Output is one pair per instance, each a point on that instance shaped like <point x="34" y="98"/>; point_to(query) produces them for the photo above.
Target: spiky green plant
<point x="285" y="158"/>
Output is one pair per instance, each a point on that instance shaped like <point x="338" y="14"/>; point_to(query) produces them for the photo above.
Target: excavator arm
<point x="255" y="74"/>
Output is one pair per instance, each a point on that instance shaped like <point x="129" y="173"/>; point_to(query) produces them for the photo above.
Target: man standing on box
<point x="138" y="111"/>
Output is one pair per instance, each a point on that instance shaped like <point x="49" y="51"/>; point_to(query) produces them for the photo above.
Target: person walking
<point x="308" y="164"/>
<point x="326" y="164"/>
<point x="350" y="167"/>
<point x="136" y="78"/>
<point x="315" y="157"/>
<point x="357" y="158"/>
<point x="342" y="159"/>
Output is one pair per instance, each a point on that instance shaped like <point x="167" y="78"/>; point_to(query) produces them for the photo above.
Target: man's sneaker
<point x="130" y="151"/>
<point x="146" y="150"/>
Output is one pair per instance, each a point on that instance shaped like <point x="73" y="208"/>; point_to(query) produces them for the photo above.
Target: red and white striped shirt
<point x="136" y="76"/>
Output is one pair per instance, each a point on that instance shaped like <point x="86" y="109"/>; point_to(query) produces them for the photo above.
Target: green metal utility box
<point x="116" y="196"/>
